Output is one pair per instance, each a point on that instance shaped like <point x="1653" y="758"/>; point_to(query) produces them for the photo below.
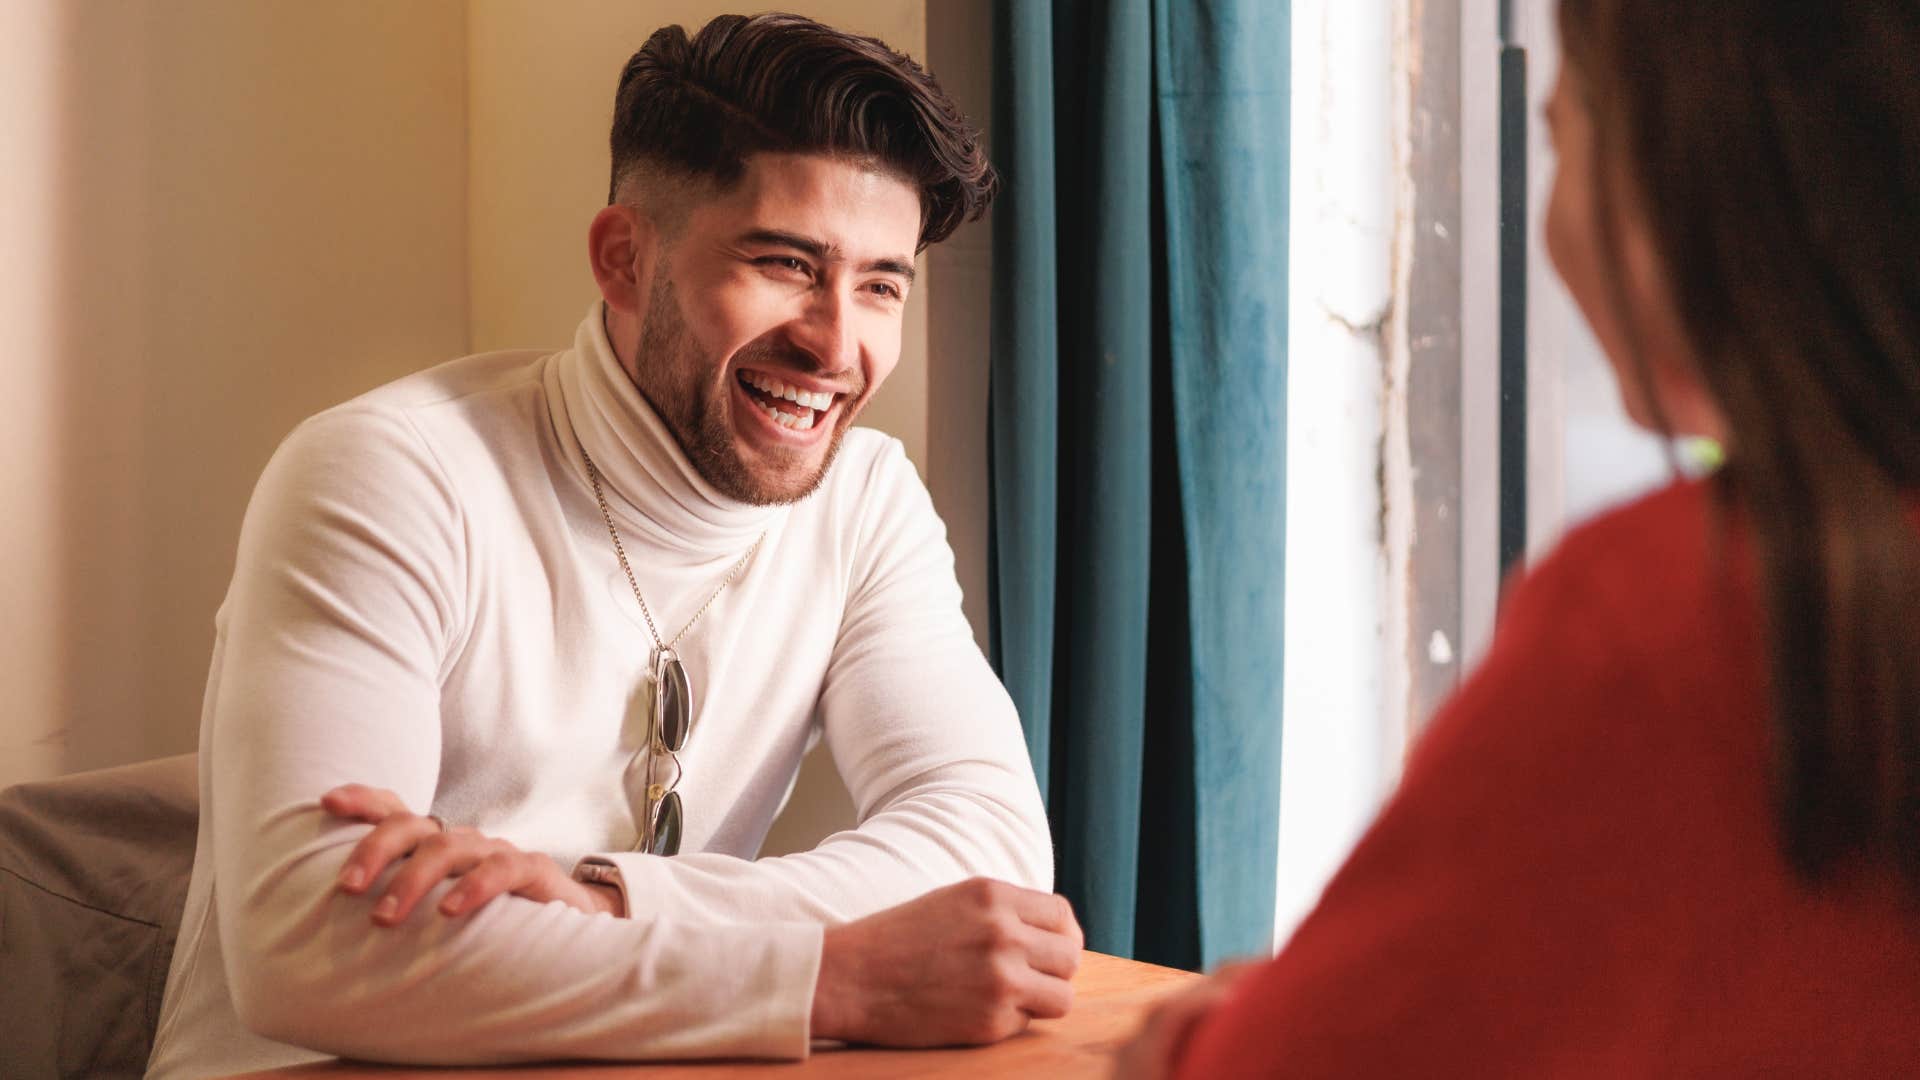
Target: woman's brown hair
<point x="1773" y="149"/>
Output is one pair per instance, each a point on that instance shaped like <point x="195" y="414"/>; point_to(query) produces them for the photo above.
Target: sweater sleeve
<point x="924" y="735"/>
<point x="1473" y="922"/>
<point x="344" y="613"/>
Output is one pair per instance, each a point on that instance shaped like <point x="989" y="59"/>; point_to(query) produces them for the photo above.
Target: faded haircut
<point x="697" y="108"/>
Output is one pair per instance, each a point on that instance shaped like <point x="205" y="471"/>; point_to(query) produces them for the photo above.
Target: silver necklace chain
<point x="606" y="514"/>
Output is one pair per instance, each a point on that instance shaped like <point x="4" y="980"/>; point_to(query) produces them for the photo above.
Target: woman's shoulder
<point x="1651" y="562"/>
<point x="1641" y="612"/>
<point x="1673" y="526"/>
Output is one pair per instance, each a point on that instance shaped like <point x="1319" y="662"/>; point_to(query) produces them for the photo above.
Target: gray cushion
<point x="93" y="879"/>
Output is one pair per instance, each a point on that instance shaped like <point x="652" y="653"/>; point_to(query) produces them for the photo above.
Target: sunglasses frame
<point x="662" y="804"/>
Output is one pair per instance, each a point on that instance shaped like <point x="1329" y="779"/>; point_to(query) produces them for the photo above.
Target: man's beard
<point x="673" y="377"/>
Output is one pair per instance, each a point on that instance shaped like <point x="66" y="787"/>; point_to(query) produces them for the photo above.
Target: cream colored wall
<point x="959" y="49"/>
<point x="31" y="622"/>
<point x="234" y="214"/>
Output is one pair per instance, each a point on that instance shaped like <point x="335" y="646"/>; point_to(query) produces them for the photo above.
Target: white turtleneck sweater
<point x="425" y="599"/>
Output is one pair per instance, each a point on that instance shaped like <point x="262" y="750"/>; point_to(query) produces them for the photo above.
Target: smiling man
<point x="522" y="652"/>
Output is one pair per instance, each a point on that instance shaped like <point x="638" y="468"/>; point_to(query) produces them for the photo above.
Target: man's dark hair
<point x="779" y="83"/>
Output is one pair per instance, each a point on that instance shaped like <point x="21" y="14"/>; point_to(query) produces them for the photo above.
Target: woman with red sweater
<point x="1671" y="826"/>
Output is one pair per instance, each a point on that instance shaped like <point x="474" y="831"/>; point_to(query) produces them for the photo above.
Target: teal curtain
<point x="1138" y="453"/>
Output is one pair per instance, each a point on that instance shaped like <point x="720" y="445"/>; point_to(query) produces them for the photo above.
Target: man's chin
<point x="763" y="479"/>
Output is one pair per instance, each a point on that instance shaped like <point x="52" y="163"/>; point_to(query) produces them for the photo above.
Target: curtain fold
<point x="1225" y="104"/>
<point x="1138" y="434"/>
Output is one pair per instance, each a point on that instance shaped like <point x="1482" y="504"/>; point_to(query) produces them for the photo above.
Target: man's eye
<point x="885" y="289"/>
<point x="784" y="262"/>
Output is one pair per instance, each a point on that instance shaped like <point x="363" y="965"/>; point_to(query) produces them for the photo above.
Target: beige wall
<point x="236" y="214"/>
<point x="225" y="216"/>
<point x="31" y="622"/>
<point x="959" y="48"/>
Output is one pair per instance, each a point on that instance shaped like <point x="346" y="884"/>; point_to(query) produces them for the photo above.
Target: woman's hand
<point x="1155" y="1050"/>
<point x="485" y="867"/>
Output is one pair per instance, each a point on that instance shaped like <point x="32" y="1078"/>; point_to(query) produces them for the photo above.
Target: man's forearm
<point x="926" y="840"/>
<point x="439" y="990"/>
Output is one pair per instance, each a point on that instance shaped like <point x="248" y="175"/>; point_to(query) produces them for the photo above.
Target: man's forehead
<point x="846" y="202"/>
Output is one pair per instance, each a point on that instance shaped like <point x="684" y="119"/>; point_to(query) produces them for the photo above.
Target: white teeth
<point x="803" y="422"/>
<point x="773" y="387"/>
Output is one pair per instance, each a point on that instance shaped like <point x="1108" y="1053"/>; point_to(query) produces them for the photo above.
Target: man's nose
<point x="825" y="331"/>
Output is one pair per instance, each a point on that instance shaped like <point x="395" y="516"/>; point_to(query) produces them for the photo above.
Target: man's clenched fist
<point x="968" y="964"/>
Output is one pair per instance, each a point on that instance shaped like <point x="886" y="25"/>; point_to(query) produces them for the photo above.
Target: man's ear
<point x="623" y="245"/>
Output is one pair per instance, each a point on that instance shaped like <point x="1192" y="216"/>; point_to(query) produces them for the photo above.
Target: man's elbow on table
<point x="290" y="952"/>
<point x="275" y="1002"/>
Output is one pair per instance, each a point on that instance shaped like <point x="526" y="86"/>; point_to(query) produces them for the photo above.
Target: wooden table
<point x="1111" y="996"/>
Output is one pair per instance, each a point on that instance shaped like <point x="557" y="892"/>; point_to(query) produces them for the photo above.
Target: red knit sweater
<point x="1580" y="875"/>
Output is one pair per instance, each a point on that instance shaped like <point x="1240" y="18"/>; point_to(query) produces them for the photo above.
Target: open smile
<point x="795" y="411"/>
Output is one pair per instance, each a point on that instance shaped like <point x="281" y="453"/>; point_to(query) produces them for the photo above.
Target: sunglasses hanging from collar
<point x="669" y="704"/>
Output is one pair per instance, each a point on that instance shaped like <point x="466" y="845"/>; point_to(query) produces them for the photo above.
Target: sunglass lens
<point x="676" y="704"/>
<point x="666" y="825"/>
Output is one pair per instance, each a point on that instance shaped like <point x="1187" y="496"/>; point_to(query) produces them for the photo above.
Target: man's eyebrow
<point x="782" y="238"/>
<point x="824" y="252"/>
<point x="902" y="267"/>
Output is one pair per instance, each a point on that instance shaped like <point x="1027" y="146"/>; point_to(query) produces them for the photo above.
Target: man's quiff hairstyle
<point x="699" y="107"/>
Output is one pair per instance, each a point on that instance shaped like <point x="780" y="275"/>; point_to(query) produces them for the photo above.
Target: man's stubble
<point x="675" y="379"/>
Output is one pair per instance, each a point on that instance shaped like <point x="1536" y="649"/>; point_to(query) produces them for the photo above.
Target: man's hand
<point x="1155" y="1050"/>
<point x="486" y="867"/>
<point x="971" y="963"/>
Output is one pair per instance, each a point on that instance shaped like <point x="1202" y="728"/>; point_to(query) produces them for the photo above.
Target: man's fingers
<point x="497" y="873"/>
<point x="1046" y="997"/>
<point x="359" y="802"/>
<point x="392" y="838"/>
<point x="1051" y="953"/>
<point x="438" y="857"/>
<point x="1049" y="998"/>
<point x="1048" y="911"/>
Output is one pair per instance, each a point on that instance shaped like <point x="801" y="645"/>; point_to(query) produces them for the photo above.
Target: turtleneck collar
<point x="652" y="487"/>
